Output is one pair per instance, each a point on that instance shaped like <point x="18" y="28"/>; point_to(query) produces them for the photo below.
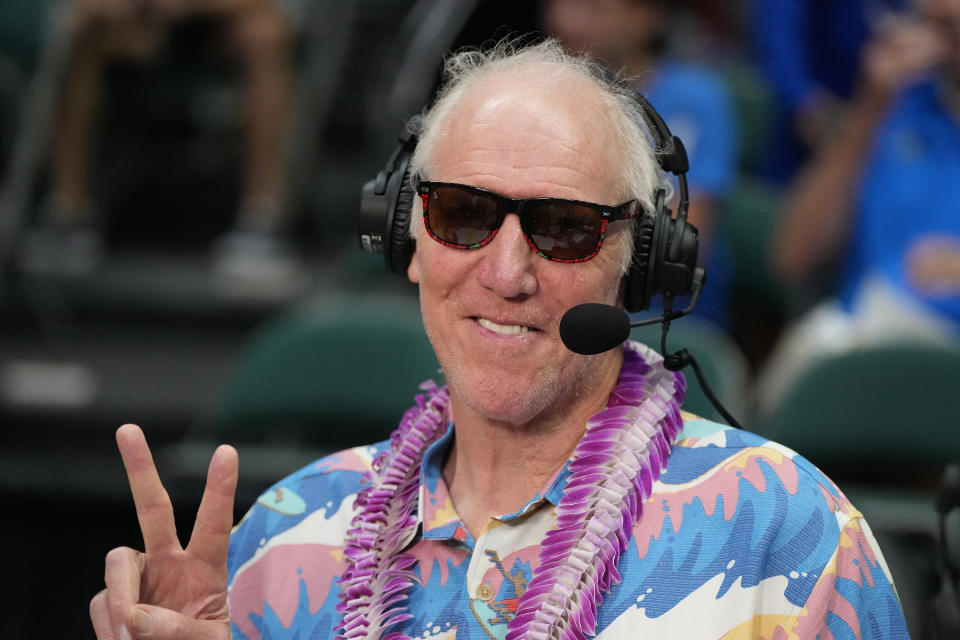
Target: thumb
<point x="149" y="622"/>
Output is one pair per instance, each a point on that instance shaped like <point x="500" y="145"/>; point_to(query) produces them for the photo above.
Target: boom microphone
<point x="593" y="328"/>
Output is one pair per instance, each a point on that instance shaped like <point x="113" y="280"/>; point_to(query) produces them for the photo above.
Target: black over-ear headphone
<point x="665" y="248"/>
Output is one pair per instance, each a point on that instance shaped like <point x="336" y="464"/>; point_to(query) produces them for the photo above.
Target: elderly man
<point x="544" y="494"/>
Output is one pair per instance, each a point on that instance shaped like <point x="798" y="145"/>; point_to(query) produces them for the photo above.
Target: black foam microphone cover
<point x="593" y="328"/>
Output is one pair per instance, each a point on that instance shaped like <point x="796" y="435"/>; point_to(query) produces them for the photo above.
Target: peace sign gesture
<point x="167" y="591"/>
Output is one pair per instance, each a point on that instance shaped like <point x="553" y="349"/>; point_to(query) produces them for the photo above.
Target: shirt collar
<point x="437" y="515"/>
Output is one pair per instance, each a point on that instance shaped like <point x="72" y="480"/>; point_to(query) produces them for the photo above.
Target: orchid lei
<point x="622" y="453"/>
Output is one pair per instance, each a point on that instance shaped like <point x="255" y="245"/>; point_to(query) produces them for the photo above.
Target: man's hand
<point x="167" y="591"/>
<point x="904" y="51"/>
<point x="933" y="265"/>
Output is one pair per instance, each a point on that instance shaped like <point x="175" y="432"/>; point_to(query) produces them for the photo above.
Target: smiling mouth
<point x="504" y="329"/>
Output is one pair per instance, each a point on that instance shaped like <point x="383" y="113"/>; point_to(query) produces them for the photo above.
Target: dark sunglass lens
<point x="564" y="230"/>
<point x="460" y="216"/>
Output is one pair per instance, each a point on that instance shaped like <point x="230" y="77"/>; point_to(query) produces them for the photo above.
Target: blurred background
<point x="179" y="189"/>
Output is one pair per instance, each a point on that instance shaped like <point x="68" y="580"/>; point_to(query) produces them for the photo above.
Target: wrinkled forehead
<point x="553" y="127"/>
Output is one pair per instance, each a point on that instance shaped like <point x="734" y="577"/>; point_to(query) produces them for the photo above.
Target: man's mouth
<point x="505" y="329"/>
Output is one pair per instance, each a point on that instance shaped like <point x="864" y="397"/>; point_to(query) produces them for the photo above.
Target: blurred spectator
<point x="809" y="51"/>
<point x="881" y="201"/>
<point x="257" y="33"/>
<point x="631" y="36"/>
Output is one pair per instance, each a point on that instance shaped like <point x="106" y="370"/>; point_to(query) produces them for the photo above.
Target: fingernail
<point x="142" y="622"/>
<point x="125" y="633"/>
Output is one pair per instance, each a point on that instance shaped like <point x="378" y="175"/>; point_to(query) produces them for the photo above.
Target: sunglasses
<point x="465" y="217"/>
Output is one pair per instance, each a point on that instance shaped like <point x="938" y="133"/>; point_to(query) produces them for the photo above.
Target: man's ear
<point x="413" y="271"/>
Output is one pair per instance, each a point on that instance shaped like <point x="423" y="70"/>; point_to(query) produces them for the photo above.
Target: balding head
<point x="546" y="85"/>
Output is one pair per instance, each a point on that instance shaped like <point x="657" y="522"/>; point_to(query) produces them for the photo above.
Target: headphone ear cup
<point x="647" y="237"/>
<point x="401" y="246"/>
<point x="637" y="296"/>
<point x="386" y="203"/>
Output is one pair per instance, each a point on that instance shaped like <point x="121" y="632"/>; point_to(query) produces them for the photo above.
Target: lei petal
<point x="622" y="453"/>
<point x="614" y="467"/>
<point x="374" y="586"/>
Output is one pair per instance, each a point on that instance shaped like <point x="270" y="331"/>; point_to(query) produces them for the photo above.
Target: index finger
<point x="154" y="510"/>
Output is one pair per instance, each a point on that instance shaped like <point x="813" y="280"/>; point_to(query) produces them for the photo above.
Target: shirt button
<point x="485" y="592"/>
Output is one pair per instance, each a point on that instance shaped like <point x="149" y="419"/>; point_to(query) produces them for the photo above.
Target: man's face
<point x="522" y="143"/>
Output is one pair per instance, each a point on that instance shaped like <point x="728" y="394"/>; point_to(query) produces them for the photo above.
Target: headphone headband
<point x="665" y="248"/>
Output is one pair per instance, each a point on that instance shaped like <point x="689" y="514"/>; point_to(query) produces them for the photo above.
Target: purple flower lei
<point x="622" y="453"/>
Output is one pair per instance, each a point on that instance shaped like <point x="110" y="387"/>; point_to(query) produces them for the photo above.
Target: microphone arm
<point x="680" y="359"/>
<point x="593" y="328"/>
<point x="699" y="276"/>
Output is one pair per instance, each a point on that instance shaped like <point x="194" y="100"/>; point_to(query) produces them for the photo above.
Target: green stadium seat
<point x="883" y="421"/>
<point x="755" y="106"/>
<point x="22" y="24"/>
<point x="896" y="404"/>
<point x="337" y="373"/>
<point x="750" y="213"/>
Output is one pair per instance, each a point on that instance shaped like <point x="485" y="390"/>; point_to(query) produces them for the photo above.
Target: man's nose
<point x="508" y="264"/>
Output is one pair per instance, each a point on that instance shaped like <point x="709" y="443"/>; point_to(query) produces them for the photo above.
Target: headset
<point x="665" y="248"/>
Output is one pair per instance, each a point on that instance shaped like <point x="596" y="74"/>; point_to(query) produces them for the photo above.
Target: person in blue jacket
<point x="809" y="52"/>
<point x="877" y="209"/>
<point x="630" y="36"/>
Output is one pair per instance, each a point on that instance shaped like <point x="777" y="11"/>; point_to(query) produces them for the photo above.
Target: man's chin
<point x="508" y="399"/>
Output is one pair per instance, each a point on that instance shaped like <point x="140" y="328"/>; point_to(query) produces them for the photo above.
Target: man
<point x="524" y="500"/>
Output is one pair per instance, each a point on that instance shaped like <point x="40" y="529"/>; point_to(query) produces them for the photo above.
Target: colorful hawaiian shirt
<point x="742" y="538"/>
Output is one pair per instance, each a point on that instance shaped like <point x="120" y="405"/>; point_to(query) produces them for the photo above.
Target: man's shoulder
<point x="735" y="520"/>
<point x="707" y="437"/>
<point x="741" y="525"/>
<point x="312" y="504"/>
<point x="706" y="451"/>
<point x="306" y="515"/>
<point x="335" y="475"/>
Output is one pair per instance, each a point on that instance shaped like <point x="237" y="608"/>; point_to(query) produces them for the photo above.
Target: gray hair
<point x="548" y="59"/>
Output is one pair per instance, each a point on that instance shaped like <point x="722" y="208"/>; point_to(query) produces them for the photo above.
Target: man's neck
<point x="495" y="468"/>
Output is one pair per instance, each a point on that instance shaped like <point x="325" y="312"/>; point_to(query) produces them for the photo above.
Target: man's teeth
<point x="509" y="329"/>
